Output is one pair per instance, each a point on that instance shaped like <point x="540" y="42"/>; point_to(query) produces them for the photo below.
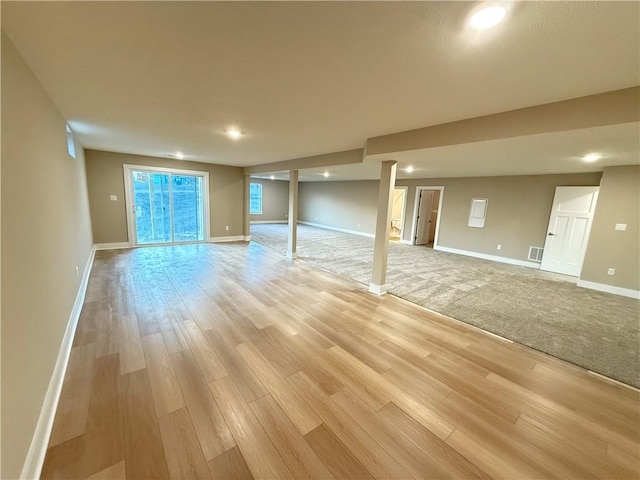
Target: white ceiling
<point x="547" y="153"/>
<point x="305" y="78"/>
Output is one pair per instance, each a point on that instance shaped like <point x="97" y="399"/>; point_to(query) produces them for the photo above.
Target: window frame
<point x="251" y="184"/>
<point x="129" y="199"/>
<point x="71" y="143"/>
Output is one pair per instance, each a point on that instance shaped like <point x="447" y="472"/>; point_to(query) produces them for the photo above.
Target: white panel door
<point x="425" y="205"/>
<point x="568" y="231"/>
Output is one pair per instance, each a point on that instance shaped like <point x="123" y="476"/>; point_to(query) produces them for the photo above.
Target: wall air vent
<point x="535" y="254"/>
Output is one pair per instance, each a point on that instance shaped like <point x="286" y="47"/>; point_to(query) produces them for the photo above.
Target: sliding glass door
<point x="166" y="206"/>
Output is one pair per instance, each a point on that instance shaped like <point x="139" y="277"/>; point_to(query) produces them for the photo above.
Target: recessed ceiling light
<point x="179" y="155"/>
<point x="592" y="157"/>
<point x="234" y="133"/>
<point x="487" y="17"/>
<point x="409" y="169"/>
<point x="326" y="174"/>
<point x="273" y="177"/>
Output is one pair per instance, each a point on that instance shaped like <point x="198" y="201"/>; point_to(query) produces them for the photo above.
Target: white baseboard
<point x="247" y="238"/>
<point x="337" y="229"/>
<point x="603" y="287"/>
<point x="263" y="222"/>
<point x="111" y="246"/>
<point x="494" y="258"/>
<point x="37" y="450"/>
<point x="292" y="256"/>
<point x="406" y="242"/>
<point x="231" y="238"/>
<point x="377" y="289"/>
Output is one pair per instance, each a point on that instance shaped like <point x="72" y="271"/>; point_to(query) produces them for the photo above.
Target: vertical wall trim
<point x="246" y="214"/>
<point x="293" y="214"/>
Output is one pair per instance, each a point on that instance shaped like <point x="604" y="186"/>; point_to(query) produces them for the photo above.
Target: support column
<point x="293" y="214"/>
<point x="246" y="216"/>
<point x="383" y="228"/>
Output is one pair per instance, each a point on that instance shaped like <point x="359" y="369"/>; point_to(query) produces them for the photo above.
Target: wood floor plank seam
<point x="256" y="446"/>
<point x="167" y="393"/>
<point x="336" y="455"/>
<point x="211" y="428"/>
<point x="299" y="412"/>
<point x="230" y="361"/>
<point x="293" y="448"/>
<point x="375" y="458"/>
<point x="185" y="458"/>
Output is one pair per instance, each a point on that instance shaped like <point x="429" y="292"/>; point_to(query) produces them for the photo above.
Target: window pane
<point x="153" y="211"/>
<point x="188" y="215"/>
<point x="255" y="198"/>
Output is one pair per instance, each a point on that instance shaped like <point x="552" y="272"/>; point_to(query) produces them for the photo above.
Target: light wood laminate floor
<point x="229" y="361"/>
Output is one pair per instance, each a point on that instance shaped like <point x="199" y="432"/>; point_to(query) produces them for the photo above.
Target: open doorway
<point x="426" y="221"/>
<point x="397" y="213"/>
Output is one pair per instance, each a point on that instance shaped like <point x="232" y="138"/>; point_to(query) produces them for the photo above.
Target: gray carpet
<point x="548" y="312"/>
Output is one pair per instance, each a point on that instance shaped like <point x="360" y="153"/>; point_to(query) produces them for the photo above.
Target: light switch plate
<point x="621" y="227"/>
<point x="113" y="198"/>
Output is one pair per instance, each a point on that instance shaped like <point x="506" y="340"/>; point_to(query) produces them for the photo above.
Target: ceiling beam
<point x="610" y="108"/>
<point x="316" y="161"/>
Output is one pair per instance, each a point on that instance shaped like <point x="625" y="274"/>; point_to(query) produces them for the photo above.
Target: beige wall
<point x="517" y="218"/>
<point x="398" y="202"/>
<point x="105" y="177"/>
<point x="339" y="204"/>
<point x="46" y="233"/>
<point x="275" y="200"/>
<point x="618" y="202"/>
<point x="517" y="215"/>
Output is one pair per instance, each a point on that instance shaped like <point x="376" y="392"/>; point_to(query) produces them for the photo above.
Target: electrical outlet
<point x="358" y="225"/>
<point x="113" y="198"/>
<point x="621" y="227"/>
<point x="611" y="271"/>
<point x="499" y="247"/>
<point x="226" y="228"/>
<point x="77" y="271"/>
<point x="316" y="219"/>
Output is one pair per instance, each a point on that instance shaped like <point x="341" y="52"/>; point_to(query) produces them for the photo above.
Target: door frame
<point x="404" y="208"/>
<point x="128" y="200"/>
<point x="415" y="212"/>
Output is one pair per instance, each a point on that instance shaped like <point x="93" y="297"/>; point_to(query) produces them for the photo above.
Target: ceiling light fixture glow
<point x="273" y="177"/>
<point x="592" y="157"/>
<point x="234" y="133"/>
<point x="409" y="169"/>
<point x="326" y="174"/>
<point x="487" y="17"/>
<point x="179" y="155"/>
